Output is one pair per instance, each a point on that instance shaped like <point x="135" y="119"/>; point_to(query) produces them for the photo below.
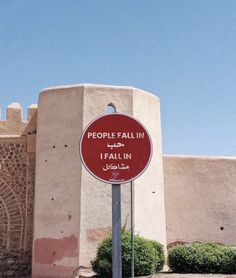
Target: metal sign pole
<point x="132" y="228"/>
<point x="116" y="232"/>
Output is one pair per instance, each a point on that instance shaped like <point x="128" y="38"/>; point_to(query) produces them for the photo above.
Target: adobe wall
<point x="17" y="170"/>
<point x="72" y="210"/>
<point x="200" y="194"/>
<point x="150" y="217"/>
<point x="80" y="205"/>
<point x="57" y="190"/>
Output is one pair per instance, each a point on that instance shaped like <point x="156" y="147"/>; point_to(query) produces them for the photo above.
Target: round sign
<point x="115" y="148"/>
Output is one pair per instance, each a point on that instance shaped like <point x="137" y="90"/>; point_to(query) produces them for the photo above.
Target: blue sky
<point x="183" y="51"/>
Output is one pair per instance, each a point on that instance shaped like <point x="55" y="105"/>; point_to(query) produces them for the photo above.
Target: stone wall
<point x="71" y="213"/>
<point x="17" y="175"/>
<point x="200" y="194"/>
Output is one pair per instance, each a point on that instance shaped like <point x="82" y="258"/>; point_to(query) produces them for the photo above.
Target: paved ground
<point x="175" y="275"/>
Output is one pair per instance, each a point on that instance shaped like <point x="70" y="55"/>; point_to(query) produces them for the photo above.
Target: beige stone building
<point x="54" y="213"/>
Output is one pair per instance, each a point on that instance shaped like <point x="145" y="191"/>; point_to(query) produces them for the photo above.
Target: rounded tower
<point x="72" y="212"/>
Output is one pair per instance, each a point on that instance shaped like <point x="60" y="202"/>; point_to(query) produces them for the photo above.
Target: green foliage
<point x="149" y="256"/>
<point x="202" y="258"/>
<point x="160" y="255"/>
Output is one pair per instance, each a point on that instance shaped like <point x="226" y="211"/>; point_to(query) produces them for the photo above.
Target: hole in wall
<point x="111" y="108"/>
<point x="46" y="160"/>
<point x="66" y="146"/>
<point x="52" y="199"/>
<point x="69" y="217"/>
<point x="54" y="147"/>
<point x="222" y="228"/>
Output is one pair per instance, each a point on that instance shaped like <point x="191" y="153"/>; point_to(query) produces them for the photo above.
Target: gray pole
<point x="116" y="232"/>
<point x="132" y="228"/>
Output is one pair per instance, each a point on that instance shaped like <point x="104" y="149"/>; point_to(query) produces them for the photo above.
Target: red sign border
<point x="106" y="181"/>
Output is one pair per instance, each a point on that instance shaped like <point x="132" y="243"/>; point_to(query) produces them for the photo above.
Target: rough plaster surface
<point x="14" y="125"/>
<point x="149" y="188"/>
<point x="80" y="205"/>
<point x="146" y="108"/>
<point x="58" y="176"/>
<point x="200" y="194"/>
